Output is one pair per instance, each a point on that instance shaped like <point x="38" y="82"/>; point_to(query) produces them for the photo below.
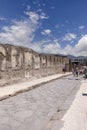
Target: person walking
<point x="77" y="72"/>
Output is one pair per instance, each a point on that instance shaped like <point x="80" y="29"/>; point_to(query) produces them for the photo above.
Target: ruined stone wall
<point x="18" y="63"/>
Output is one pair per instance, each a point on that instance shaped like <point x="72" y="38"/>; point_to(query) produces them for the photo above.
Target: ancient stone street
<point x="40" y="107"/>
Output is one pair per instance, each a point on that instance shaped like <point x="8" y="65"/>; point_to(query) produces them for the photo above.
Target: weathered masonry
<point x="19" y="63"/>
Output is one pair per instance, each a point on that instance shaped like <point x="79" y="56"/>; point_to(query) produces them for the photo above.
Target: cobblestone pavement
<point x="34" y="110"/>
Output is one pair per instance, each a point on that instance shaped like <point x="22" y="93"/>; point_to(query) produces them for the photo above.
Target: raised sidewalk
<point x="76" y="116"/>
<point x="11" y="90"/>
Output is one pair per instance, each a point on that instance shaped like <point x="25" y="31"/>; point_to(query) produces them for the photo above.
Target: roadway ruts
<point x="38" y="109"/>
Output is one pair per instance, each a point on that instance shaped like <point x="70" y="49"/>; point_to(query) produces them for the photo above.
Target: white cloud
<point x="81" y="47"/>
<point x="22" y="32"/>
<point x="69" y="37"/>
<point x="47" y="46"/>
<point x="46" y="32"/>
<point x="2" y="18"/>
<point x="33" y="16"/>
<point x="44" y="16"/>
<point x="53" y="46"/>
<point x="81" y="27"/>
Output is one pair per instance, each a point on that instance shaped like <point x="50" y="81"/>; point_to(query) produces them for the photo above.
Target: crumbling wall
<point x="18" y="63"/>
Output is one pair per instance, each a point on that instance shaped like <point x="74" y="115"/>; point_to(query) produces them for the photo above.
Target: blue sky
<point x="49" y="26"/>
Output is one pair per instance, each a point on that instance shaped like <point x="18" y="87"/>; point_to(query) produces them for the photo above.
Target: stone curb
<point x="33" y="85"/>
<point x="76" y="116"/>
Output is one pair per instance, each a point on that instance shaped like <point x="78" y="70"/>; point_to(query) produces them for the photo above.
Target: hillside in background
<point x="77" y="57"/>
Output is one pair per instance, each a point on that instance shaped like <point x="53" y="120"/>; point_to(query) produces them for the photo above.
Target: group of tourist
<point x="76" y="72"/>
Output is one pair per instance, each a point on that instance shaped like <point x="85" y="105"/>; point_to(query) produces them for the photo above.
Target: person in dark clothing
<point x="76" y="72"/>
<point x="64" y="70"/>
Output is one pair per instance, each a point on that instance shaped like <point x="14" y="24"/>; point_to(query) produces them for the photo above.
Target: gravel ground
<point x="39" y="108"/>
